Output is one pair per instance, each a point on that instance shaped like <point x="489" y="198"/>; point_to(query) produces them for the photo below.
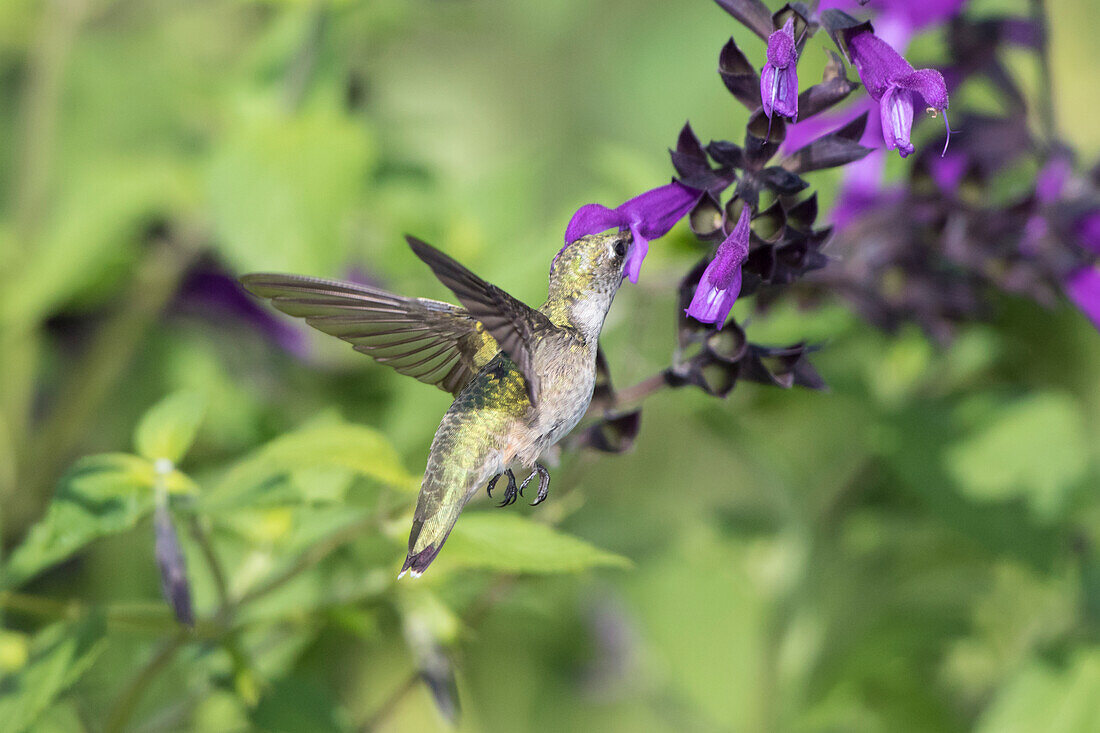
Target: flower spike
<point x="779" y="77"/>
<point x="892" y="82"/>
<point x="721" y="282"/>
<point x="648" y="216"/>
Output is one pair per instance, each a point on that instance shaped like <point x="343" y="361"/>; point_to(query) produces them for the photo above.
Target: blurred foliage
<point x="918" y="549"/>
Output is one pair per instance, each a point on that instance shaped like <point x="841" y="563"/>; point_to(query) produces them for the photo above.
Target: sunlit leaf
<point x="90" y="237"/>
<point x="299" y="704"/>
<point x="340" y="445"/>
<point x="60" y="654"/>
<point x="281" y="187"/>
<point x="101" y="495"/>
<point x="511" y="543"/>
<point x="1044" y="698"/>
<point x="1035" y="448"/>
<point x="168" y="429"/>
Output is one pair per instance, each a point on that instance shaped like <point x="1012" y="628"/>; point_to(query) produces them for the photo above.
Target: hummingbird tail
<point x="426" y="540"/>
<point x="418" y="563"/>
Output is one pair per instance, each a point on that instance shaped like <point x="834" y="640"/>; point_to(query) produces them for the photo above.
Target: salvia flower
<point x="170" y="561"/>
<point x="648" y="216"/>
<point x="1088" y="231"/>
<point x="779" y="77"/>
<point x="1083" y="288"/>
<point x="892" y="82"/>
<point x="1052" y="179"/>
<point x="721" y="282"/>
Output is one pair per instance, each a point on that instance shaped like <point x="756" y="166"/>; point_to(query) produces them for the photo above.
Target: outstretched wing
<point x="435" y="342"/>
<point x="513" y="324"/>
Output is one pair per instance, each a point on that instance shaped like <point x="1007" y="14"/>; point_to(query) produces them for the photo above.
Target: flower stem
<point x="127" y="702"/>
<point x="1045" y="102"/>
<point x="638" y="392"/>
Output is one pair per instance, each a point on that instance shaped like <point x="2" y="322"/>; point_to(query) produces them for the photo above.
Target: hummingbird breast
<point x="567" y="374"/>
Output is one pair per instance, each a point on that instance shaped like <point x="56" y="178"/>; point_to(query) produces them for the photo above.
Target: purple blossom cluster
<point x="929" y="249"/>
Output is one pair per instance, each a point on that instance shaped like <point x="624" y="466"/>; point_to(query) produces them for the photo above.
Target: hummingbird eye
<point x="620" y="249"/>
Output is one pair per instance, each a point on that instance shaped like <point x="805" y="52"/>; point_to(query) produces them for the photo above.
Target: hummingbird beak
<point x="627" y="238"/>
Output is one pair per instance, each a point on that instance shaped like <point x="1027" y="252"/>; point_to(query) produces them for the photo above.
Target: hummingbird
<point x="522" y="377"/>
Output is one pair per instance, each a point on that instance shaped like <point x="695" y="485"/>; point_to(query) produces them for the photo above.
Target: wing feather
<point x="435" y="342"/>
<point x="514" y="325"/>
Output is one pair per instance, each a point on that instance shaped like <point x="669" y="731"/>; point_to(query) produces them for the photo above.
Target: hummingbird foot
<point x="492" y="484"/>
<point x="544" y="483"/>
<point x="509" y="493"/>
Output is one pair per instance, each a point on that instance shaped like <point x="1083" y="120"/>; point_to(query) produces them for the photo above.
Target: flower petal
<point x="948" y="171"/>
<point x="1052" y="179"/>
<point x="878" y="64"/>
<point x="721" y="281"/>
<point x="1088" y="230"/>
<point x="929" y="84"/>
<point x="639" y="248"/>
<point x="768" y="88"/>
<point x="781" y="47"/>
<point x="779" y="90"/>
<point x="593" y="219"/>
<point x="711" y="304"/>
<point x="1083" y="288"/>
<point x="652" y="214"/>
<point x="896" y="113"/>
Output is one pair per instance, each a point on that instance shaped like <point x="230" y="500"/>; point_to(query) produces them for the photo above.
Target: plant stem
<point x="103" y="365"/>
<point x="127" y="702"/>
<point x="386" y="709"/>
<point x="476" y="612"/>
<point x="305" y="61"/>
<point x="638" y="392"/>
<point x="310" y="557"/>
<point x="213" y="564"/>
<point x="1046" y="77"/>
<point x="60" y="22"/>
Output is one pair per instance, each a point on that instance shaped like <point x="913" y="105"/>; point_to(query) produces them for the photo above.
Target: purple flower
<point x="1088" y="230"/>
<point x="897" y="20"/>
<point x="210" y="292"/>
<point x="779" y="77"/>
<point x="721" y="281"/>
<point x="1083" y="288"/>
<point x="948" y="171"/>
<point x="892" y="82"/>
<point x="1052" y="179"/>
<point x="648" y="216"/>
<point x="173" y="567"/>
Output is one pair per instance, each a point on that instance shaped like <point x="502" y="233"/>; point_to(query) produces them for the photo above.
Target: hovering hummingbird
<point x="522" y="378"/>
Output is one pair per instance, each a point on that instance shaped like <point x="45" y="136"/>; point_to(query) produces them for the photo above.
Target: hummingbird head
<point x="584" y="278"/>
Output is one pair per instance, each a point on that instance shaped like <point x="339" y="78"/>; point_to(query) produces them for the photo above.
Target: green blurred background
<point x="915" y="550"/>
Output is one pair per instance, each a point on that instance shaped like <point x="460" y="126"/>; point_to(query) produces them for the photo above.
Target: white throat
<point x="588" y="314"/>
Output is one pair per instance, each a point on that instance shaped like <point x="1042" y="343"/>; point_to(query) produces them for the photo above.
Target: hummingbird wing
<point x="515" y="325"/>
<point x="435" y="342"/>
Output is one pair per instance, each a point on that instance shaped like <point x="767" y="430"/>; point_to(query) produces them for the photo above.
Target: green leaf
<point x="168" y="429"/>
<point x="100" y="495"/>
<point x="1034" y="448"/>
<point x="60" y="654"/>
<point x="282" y="188"/>
<point x="510" y="543"/>
<point x="299" y="704"/>
<point x="1042" y="698"/>
<point x="340" y="445"/>
<point x="90" y="237"/>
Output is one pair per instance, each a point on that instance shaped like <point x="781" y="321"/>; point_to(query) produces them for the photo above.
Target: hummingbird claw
<point x="510" y="492"/>
<point x="492" y="484"/>
<point x="544" y="483"/>
<point x="526" y="481"/>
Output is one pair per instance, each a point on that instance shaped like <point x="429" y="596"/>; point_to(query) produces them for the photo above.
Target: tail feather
<point x="419" y="562"/>
<point x="424" y="549"/>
